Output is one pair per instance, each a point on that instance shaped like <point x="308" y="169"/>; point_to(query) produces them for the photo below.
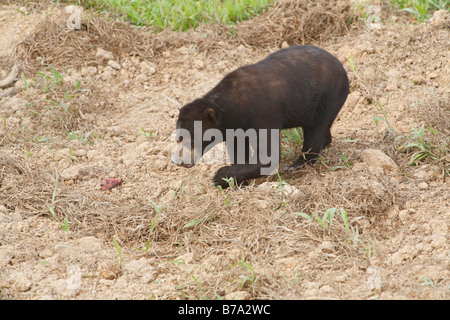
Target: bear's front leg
<point x="262" y="161"/>
<point x="241" y="173"/>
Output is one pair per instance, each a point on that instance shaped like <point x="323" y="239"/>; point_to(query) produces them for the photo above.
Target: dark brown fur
<point x="301" y="86"/>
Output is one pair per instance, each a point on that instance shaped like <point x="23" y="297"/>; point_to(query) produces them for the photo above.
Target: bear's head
<point x="198" y="122"/>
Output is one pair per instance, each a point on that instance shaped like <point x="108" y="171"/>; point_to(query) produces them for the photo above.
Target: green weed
<point x="65" y="225"/>
<point x="421" y="9"/>
<point x="384" y="118"/>
<point x="249" y="278"/>
<point x="150" y="134"/>
<point x="327" y="220"/>
<point x="119" y="251"/>
<point x="72" y="156"/>
<point x="152" y="227"/>
<point x="419" y="145"/>
<point x="178" y="15"/>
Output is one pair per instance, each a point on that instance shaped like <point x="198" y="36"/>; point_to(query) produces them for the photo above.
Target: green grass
<point x="421" y="146"/>
<point x="178" y="15"/>
<point x="422" y="9"/>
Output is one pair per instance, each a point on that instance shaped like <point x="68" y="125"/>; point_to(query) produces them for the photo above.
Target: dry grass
<point x="288" y="21"/>
<point x="297" y="22"/>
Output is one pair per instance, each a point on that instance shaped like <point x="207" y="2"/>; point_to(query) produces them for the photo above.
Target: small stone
<point x="238" y="295"/>
<point x="113" y="64"/>
<point x="392" y="212"/>
<point x="377" y="158"/>
<point x="135" y="266"/>
<point x="405" y="214"/>
<point x="103" y="54"/>
<point x="109" y="270"/>
<point x="423" y="185"/>
<point x="427" y="172"/>
<point x="74" y="172"/>
<point x="199" y="64"/>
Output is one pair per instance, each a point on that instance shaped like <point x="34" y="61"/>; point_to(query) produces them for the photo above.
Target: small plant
<point x="247" y="279"/>
<point x="426" y="281"/>
<point x="119" y="251"/>
<point x="152" y="227"/>
<point x="384" y="118"/>
<point x="417" y="142"/>
<point x="325" y="221"/>
<point x="281" y="183"/>
<point x="198" y="221"/>
<point x="178" y="194"/>
<point x="150" y="134"/>
<point x="345" y="159"/>
<point x="47" y="82"/>
<point x="24" y="81"/>
<point x="72" y="155"/>
<point x="296" y="280"/>
<point x="51" y="208"/>
<point x="229" y="181"/>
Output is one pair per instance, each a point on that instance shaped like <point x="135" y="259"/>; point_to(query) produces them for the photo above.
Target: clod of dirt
<point x="377" y="158"/>
<point x="109" y="270"/>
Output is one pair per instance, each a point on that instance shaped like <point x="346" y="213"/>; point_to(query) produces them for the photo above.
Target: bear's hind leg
<point x="315" y="139"/>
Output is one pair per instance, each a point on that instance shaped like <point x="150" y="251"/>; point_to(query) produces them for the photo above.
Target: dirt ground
<point x="165" y="232"/>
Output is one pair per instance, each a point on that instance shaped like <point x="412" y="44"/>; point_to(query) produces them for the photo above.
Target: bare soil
<point x="165" y="232"/>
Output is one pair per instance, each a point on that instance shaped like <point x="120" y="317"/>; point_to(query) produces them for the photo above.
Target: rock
<point x="423" y="185"/>
<point x="113" y="64"/>
<point x="147" y="68"/>
<point x="311" y="289"/>
<point x="109" y="270"/>
<point x="285" y="189"/>
<point x="103" y="54"/>
<point x="90" y="244"/>
<point x="6" y="255"/>
<point x="392" y="212"/>
<point x="438" y="240"/>
<point x="326" y="246"/>
<point x="199" y="64"/>
<point x="405" y="215"/>
<point x="376" y="158"/>
<point x="439" y="16"/>
<point x="22" y="283"/>
<point x="427" y="172"/>
<point x="136" y="266"/>
<point x="75" y="172"/>
<point x="238" y="295"/>
<point x="325" y="290"/>
<point x="373" y="278"/>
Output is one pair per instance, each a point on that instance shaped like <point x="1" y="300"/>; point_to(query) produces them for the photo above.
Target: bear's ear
<point x="211" y="116"/>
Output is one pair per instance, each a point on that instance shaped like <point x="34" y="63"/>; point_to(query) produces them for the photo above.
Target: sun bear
<point x="301" y="86"/>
